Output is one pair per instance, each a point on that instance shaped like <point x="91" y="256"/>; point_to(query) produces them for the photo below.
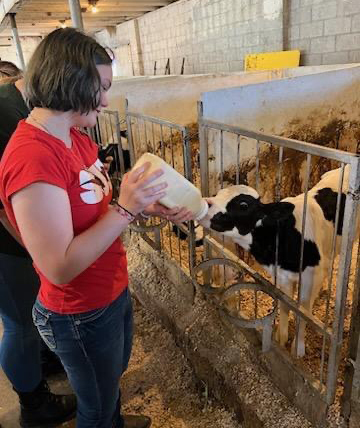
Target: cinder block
<point x="311" y="59"/>
<point x="322" y="45"/>
<point x="324" y="11"/>
<point x="335" y="58"/>
<point x="355" y="23"/>
<point x="294" y="32"/>
<point x="251" y="39"/>
<point x="236" y="65"/>
<point x="337" y="26"/>
<point x="354" y="56"/>
<point x="351" y="7"/>
<point x="300" y="16"/>
<point x="347" y="42"/>
<point x="313" y="29"/>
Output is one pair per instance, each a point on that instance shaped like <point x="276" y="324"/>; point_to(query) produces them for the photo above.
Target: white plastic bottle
<point x="179" y="192"/>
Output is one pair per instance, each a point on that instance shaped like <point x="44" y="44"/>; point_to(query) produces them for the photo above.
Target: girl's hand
<point x="176" y="215"/>
<point x="135" y="192"/>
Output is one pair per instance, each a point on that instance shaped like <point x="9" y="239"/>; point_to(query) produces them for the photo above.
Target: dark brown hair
<point x="9" y="69"/>
<point x="62" y="73"/>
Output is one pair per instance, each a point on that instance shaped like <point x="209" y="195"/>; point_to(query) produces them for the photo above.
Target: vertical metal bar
<point x="153" y="137"/>
<point x="162" y="142"/>
<point x="179" y="246"/>
<point x="187" y="147"/>
<point x="204" y="167"/>
<point x="279" y="174"/>
<point x="129" y="132"/>
<point x="172" y="163"/>
<point x="331" y="270"/>
<point x="172" y="147"/>
<point x="238" y="160"/>
<point x="348" y="234"/>
<point x="16" y="40"/>
<point x="303" y="226"/>
<point x="221" y="159"/>
<point x="119" y="145"/>
<point x="75" y="12"/>
<point x="204" y="152"/>
<point x="257" y="165"/>
<point x="278" y="197"/>
<point x="145" y="135"/>
<point x="351" y="385"/>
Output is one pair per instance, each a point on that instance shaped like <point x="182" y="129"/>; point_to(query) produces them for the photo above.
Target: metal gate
<point x="171" y="142"/>
<point x="223" y="139"/>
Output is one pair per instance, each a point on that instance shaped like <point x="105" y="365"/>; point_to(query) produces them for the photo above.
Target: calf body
<point x="238" y="213"/>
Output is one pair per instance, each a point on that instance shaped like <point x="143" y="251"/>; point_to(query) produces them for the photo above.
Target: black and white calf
<point x="112" y="150"/>
<point x="238" y="213"/>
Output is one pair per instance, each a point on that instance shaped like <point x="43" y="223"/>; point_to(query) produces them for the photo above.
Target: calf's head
<point x="237" y="210"/>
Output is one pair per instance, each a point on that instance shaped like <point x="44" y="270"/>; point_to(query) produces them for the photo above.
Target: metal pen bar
<point x="153" y="137"/>
<point x="119" y="144"/>
<point x="187" y="148"/>
<point x="348" y="234"/>
<point x="238" y="160"/>
<point x="331" y="268"/>
<point x="257" y="165"/>
<point x="157" y="120"/>
<point x="279" y="174"/>
<point x="129" y="133"/>
<point x="300" y="146"/>
<point x="221" y="159"/>
<point x="145" y="135"/>
<point x="278" y="197"/>
<point x="303" y="229"/>
<point x="204" y="153"/>
<point x="162" y="142"/>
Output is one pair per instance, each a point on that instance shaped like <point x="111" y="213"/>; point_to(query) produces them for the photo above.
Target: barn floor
<point x="159" y="383"/>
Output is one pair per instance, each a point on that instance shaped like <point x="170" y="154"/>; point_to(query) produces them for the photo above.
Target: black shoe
<point x="43" y="409"/>
<point x="136" y="421"/>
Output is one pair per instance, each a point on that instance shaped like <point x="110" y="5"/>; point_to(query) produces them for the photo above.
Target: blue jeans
<point x="94" y="348"/>
<point x="21" y="343"/>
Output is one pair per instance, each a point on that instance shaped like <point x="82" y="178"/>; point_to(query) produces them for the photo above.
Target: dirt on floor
<point x="160" y="382"/>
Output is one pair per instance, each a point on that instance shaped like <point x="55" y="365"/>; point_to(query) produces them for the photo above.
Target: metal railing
<point x="171" y="142"/>
<point x="213" y="136"/>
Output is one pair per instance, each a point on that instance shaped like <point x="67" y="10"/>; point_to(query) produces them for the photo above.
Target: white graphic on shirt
<point x="96" y="183"/>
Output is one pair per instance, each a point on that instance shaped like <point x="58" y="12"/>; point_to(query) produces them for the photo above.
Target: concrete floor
<point x="9" y="405"/>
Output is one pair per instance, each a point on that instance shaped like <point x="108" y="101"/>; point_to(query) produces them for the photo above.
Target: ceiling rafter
<point x="39" y="17"/>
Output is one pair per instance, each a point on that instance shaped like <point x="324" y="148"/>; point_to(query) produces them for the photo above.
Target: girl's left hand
<point x="175" y="215"/>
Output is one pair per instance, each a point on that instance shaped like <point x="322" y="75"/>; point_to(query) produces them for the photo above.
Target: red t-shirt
<point x="31" y="156"/>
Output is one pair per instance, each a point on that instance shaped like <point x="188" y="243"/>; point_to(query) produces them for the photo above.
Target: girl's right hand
<point x="135" y="193"/>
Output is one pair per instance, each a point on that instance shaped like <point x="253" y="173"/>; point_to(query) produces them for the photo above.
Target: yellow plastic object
<point x="272" y="60"/>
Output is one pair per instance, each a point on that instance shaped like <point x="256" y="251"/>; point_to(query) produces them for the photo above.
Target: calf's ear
<point x="276" y="212"/>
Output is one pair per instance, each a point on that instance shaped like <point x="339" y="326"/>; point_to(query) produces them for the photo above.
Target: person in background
<point x="24" y="357"/>
<point x="56" y="194"/>
<point x="9" y="72"/>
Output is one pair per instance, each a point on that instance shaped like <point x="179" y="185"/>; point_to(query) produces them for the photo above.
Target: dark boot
<point x="136" y="421"/>
<point x="40" y="408"/>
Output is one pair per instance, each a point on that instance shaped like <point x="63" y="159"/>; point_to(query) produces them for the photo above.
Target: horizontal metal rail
<point x="301" y="146"/>
<point x="158" y="121"/>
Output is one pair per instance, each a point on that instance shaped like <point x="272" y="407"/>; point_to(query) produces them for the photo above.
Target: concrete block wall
<point x="326" y="31"/>
<point x="215" y="35"/>
<point x="8" y="53"/>
<point x="212" y="35"/>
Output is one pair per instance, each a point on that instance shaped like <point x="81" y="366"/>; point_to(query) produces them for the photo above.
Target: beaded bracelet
<point x="124" y="212"/>
<point x="144" y="215"/>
